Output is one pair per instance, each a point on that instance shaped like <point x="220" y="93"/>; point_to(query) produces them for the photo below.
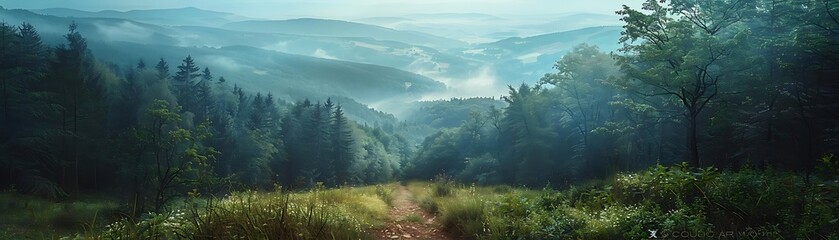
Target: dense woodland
<point x="73" y="125"/>
<point x="727" y="84"/>
<point x="715" y="84"/>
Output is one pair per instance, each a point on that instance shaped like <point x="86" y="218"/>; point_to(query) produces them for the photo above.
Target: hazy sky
<point x="339" y="8"/>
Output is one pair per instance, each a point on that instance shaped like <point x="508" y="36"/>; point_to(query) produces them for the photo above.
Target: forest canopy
<point x="711" y="83"/>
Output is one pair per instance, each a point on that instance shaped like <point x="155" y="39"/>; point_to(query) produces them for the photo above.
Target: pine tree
<point x="342" y="141"/>
<point x="272" y="116"/>
<point x="292" y="134"/>
<point x="80" y="95"/>
<point x="8" y="42"/>
<point x="529" y="135"/>
<point x="204" y="101"/>
<point x="257" y="113"/>
<point x="23" y="61"/>
<point x="206" y="76"/>
<point x="141" y="65"/>
<point x="204" y="96"/>
<point x="184" y="84"/>
<point x="162" y="69"/>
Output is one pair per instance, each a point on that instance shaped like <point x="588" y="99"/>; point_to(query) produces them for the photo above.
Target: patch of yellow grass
<point x="341" y="213"/>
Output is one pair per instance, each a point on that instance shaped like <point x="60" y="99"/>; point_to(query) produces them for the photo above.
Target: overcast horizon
<point x="278" y="9"/>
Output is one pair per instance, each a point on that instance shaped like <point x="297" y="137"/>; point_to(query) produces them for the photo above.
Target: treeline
<point x="448" y="113"/>
<point x="72" y="125"/>
<point x="711" y="83"/>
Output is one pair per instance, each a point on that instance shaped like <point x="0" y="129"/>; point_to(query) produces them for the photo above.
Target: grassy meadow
<point x="673" y="201"/>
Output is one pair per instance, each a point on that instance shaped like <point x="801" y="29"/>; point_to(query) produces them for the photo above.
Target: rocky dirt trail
<point x="409" y="221"/>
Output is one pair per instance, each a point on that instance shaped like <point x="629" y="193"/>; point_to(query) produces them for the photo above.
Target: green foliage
<point x="480" y="170"/>
<point x="829" y="166"/>
<point x="176" y="161"/>
<point x="678" y="199"/>
<point x="666" y="185"/>
<point x="662" y="61"/>
<point x="448" y="113"/>
<point x="725" y="82"/>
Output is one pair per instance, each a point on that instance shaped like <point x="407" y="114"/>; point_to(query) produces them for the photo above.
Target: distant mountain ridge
<point x="167" y="17"/>
<point x="526" y="59"/>
<point x="356" y="50"/>
<point x="339" y="28"/>
<point x="463" y="16"/>
<point x="288" y="76"/>
<point x="606" y="36"/>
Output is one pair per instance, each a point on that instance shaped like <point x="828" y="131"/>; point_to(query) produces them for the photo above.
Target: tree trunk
<point x="5" y="105"/>
<point x="693" y="141"/>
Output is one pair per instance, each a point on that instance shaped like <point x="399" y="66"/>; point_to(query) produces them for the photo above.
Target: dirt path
<point x="409" y="221"/>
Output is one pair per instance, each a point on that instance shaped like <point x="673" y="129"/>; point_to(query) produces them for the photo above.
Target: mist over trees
<point x="72" y="125"/>
<point x="710" y="83"/>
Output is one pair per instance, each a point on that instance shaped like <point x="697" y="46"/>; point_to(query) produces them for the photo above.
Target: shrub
<point x="429" y="205"/>
<point x="443" y="186"/>
<point x="463" y="217"/>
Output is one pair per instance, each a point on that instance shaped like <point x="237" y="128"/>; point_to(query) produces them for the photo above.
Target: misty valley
<point x="375" y="119"/>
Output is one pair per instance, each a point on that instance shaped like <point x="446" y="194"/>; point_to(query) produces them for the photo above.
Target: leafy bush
<point x="443" y="186"/>
<point x="480" y="170"/>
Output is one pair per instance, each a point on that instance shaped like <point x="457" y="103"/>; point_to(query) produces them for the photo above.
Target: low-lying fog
<point x="476" y="48"/>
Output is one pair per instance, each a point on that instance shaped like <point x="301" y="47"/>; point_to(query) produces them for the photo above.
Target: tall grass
<point x="385" y="193"/>
<point x="23" y="216"/>
<point x="346" y="213"/>
<point x="463" y="218"/>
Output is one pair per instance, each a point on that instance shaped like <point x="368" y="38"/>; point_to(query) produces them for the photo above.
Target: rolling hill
<point x="527" y="59"/>
<point x="291" y="57"/>
<point x="606" y="37"/>
<point x="568" y="22"/>
<point x="336" y="28"/>
<point x="288" y="76"/>
<point x="167" y="17"/>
